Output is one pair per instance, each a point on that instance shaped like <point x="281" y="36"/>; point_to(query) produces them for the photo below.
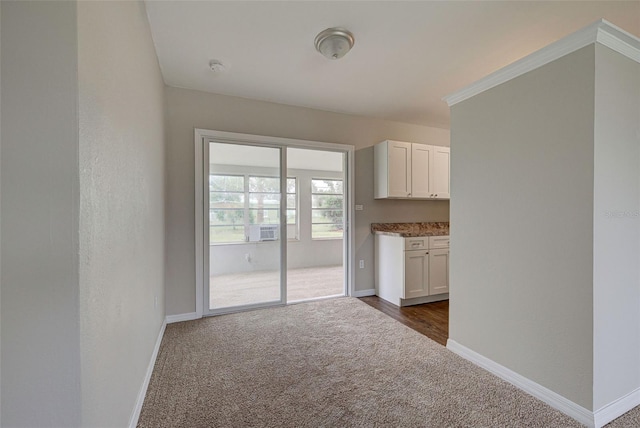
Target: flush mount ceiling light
<point x="334" y="43"/>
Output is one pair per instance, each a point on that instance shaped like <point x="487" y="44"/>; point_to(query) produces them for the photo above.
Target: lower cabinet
<point x="416" y="274"/>
<point x="412" y="270"/>
<point x="439" y="271"/>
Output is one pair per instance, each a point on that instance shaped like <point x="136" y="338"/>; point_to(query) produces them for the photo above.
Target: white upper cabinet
<point x="399" y="161"/>
<point x="410" y="171"/>
<point x="440" y="172"/>
<point x="421" y="161"/>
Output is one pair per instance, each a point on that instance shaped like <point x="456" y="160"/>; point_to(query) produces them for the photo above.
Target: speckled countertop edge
<point x="411" y="230"/>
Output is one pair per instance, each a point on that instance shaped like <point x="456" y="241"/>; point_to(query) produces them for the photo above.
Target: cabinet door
<point x="399" y="169"/>
<point x="416" y="274"/>
<point x="439" y="271"/>
<point x="420" y="170"/>
<point x="440" y="172"/>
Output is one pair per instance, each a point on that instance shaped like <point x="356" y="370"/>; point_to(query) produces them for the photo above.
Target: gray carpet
<point x="332" y="363"/>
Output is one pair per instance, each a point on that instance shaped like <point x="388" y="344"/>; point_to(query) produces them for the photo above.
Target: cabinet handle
<point x="436" y="195"/>
<point x="427" y="252"/>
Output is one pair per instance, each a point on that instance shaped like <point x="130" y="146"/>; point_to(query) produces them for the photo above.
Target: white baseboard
<point x="617" y="408"/>
<point x="133" y="421"/>
<point x="364" y="293"/>
<point x="553" y="399"/>
<point x="182" y="317"/>
<point x="425" y="299"/>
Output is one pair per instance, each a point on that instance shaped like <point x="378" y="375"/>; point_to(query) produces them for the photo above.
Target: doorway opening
<point x="274" y="221"/>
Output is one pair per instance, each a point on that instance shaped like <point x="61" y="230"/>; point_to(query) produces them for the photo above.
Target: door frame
<point x="202" y="137"/>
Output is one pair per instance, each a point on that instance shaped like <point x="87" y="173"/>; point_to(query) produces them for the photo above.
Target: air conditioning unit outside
<point x="263" y="232"/>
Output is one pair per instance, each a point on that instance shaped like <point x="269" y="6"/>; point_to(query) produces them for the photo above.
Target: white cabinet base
<point x="403" y="269"/>
<point x="389" y="259"/>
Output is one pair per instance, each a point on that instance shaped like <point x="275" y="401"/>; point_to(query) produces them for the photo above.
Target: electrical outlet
<point x="361" y="264"/>
<point x="359" y="207"/>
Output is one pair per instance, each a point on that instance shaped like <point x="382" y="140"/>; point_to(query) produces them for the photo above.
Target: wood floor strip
<point x="430" y="319"/>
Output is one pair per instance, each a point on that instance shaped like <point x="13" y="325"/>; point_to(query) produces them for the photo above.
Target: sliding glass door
<point x="247" y="216"/>
<point x="273" y="224"/>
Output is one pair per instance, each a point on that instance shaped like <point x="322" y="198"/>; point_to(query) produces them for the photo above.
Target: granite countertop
<point x="411" y="230"/>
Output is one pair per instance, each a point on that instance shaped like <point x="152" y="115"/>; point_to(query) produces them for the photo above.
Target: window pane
<point x="291" y="201"/>
<point x="291" y="216"/>
<point x="291" y="185"/>
<point x="326" y="231"/>
<point x="226" y="200"/>
<point x="221" y="183"/>
<point x="264" y="216"/>
<point x="326" y="201"/>
<point x="326" y="186"/>
<point x="327" y="216"/>
<point x="227" y="217"/>
<point x="264" y="200"/>
<point x="264" y="184"/>
<point x="224" y="234"/>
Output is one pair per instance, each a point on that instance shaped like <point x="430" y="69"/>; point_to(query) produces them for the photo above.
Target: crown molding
<point x="601" y="31"/>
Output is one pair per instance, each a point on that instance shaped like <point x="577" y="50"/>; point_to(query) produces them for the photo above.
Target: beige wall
<point x="522" y="216"/>
<point x="121" y="113"/>
<point x="616" y="245"/>
<point x="0" y="214"/>
<point x="187" y="109"/>
<point x="82" y="211"/>
<point x="40" y="325"/>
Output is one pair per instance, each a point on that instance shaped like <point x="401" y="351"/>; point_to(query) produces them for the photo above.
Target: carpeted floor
<point x="331" y="363"/>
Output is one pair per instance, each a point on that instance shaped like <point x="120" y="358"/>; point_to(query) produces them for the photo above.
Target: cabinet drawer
<point x="416" y="243"/>
<point x="438" y="242"/>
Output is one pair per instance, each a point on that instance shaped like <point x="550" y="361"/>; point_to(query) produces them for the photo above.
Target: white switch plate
<point x="359" y="207"/>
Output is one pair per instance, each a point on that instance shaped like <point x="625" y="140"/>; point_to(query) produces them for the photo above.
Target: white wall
<point x="616" y="235"/>
<point x="522" y="213"/>
<point x="40" y="191"/>
<point x="121" y="253"/>
<point x="188" y="109"/>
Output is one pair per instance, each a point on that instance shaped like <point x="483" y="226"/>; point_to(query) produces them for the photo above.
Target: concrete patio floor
<point x="264" y="286"/>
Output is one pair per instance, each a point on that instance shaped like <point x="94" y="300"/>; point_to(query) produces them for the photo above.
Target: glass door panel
<point x="316" y="265"/>
<point x="245" y="212"/>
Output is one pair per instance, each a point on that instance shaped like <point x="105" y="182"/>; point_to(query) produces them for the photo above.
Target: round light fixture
<point x="334" y="43"/>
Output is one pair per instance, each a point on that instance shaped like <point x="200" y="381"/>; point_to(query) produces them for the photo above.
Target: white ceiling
<point x="407" y="55"/>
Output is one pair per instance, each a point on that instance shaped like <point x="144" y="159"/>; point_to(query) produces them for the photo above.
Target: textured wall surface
<point x="121" y="206"/>
<point x="522" y="225"/>
<point x="40" y="326"/>
<point x="187" y="109"/>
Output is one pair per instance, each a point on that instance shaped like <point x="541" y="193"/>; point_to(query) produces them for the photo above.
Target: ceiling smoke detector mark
<point x="217" y="66"/>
